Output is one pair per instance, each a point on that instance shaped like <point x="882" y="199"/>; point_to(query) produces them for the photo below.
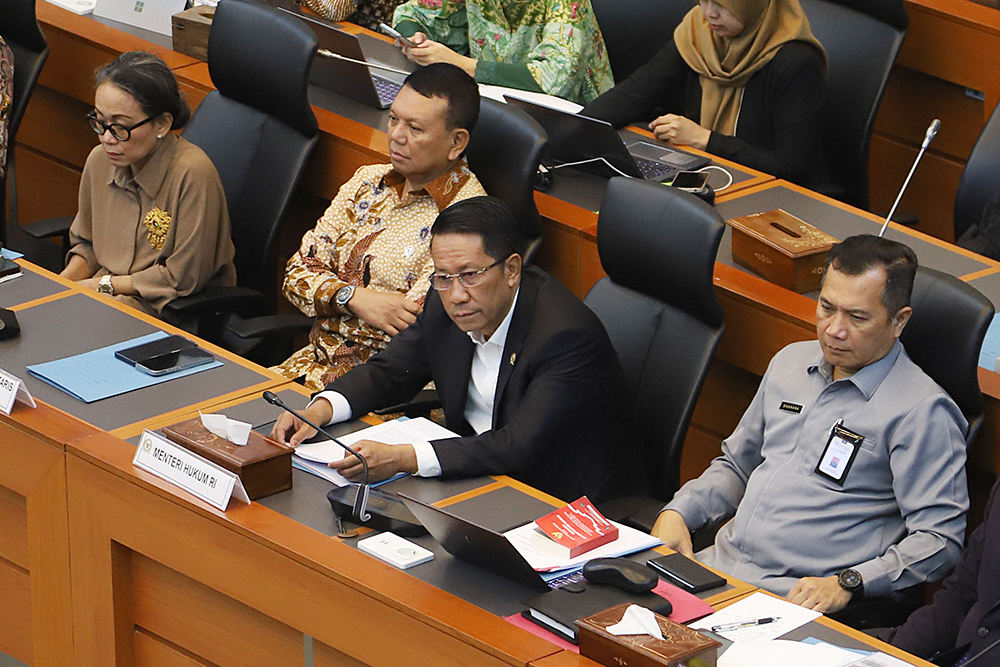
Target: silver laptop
<point x="375" y="87"/>
<point x="154" y="15"/>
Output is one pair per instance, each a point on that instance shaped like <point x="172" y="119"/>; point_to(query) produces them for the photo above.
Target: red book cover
<point x="577" y="528"/>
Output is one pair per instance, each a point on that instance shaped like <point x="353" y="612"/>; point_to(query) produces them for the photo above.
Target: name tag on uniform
<point x="788" y="406"/>
<point x="839" y="454"/>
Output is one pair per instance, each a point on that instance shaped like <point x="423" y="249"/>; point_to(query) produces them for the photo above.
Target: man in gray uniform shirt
<point x="846" y="475"/>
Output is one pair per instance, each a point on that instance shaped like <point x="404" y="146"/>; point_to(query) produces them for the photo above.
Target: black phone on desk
<point x="685" y="573"/>
<point x="152" y="349"/>
<point x="690" y="181"/>
<point x="173" y="362"/>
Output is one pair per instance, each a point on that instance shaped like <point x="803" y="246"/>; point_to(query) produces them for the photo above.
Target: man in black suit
<point x="962" y="625"/>
<point x="526" y="373"/>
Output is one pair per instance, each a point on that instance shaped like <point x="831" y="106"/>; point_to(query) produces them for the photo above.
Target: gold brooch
<point x="158" y="224"/>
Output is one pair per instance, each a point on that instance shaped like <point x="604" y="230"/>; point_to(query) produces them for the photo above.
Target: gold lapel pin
<point x="513" y="358"/>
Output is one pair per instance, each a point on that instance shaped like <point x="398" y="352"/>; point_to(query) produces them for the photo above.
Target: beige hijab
<point x="726" y="63"/>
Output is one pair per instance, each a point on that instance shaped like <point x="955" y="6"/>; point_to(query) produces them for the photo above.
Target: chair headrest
<point x="662" y="242"/>
<point x="888" y="11"/>
<point x="261" y="57"/>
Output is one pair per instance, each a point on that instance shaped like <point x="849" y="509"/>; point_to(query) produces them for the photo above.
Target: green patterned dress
<point x="551" y="46"/>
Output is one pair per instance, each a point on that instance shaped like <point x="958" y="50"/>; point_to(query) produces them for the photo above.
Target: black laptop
<point x="369" y="85"/>
<point x="578" y="139"/>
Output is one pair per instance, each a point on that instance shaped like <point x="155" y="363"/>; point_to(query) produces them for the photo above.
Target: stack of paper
<point x="314" y="458"/>
<point x="759" y="605"/>
<point x="536" y="548"/>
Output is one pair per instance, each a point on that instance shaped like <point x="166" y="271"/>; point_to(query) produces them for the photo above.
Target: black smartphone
<point x="691" y="181"/>
<point x="173" y="362"/>
<point x="686" y="573"/>
<point x="156" y="348"/>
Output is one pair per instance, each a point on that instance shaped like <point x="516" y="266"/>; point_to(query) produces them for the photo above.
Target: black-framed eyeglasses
<point x="441" y="282"/>
<point x="118" y="131"/>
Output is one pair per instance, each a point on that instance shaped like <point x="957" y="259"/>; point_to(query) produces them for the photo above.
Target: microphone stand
<point x="360" y="511"/>
<point x="932" y="131"/>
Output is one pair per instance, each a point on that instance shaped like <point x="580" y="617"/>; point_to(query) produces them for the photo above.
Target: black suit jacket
<point x="967" y="609"/>
<point x="558" y="395"/>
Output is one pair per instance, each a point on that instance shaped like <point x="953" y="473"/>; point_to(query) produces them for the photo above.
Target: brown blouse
<point x="166" y="225"/>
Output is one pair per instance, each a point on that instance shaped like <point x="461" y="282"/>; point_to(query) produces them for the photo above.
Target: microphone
<point x="325" y="53"/>
<point x="386" y="512"/>
<point x="360" y="511"/>
<point x="932" y="131"/>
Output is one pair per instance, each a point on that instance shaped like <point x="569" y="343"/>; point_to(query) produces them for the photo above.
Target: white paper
<point x="783" y="653"/>
<point x="636" y="621"/>
<point x="879" y="660"/>
<point x="758" y="605"/>
<point x="236" y="432"/>
<point x="536" y="546"/>
<point x="315" y="457"/>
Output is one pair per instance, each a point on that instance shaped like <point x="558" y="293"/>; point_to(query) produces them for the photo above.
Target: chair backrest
<point x="19" y="28"/>
<point x="257" y="126"/>
<point x="634" y="30"/>
<point x="944" y="337"/>
<point x="658" y="246"/>
<point x="504" y="152"/>
<point x="861" y="39"/>
<point x="979" y="178"/>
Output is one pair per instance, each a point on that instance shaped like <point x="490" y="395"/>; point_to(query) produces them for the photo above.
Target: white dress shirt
<point x="483" y="378"/>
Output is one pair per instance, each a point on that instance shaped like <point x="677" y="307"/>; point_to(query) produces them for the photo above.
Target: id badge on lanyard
<point x="839" y="454"/>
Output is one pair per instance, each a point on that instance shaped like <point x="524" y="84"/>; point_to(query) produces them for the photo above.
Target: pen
<point x="743" y="624"/>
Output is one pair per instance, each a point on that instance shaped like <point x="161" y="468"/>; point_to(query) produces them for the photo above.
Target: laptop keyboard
<point x="652" y="170"/>
<point x="570" y="578"/>
<point x="386" y="89"/>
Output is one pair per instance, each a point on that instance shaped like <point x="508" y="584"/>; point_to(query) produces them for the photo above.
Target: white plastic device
<point x="395" y="550"/>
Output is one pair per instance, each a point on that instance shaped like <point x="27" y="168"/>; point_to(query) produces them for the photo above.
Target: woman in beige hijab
<point x="741" y="79"/>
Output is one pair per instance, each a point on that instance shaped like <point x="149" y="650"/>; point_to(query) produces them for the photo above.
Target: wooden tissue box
<point x="264" y="465"/>
<point x="781" y="249"/>
<point x="190" y="30"/>
<point x="680" y="644"/>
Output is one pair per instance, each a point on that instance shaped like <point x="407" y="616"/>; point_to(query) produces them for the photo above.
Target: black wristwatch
<point x="343" y="295"/>
<point x="850" y="580"/>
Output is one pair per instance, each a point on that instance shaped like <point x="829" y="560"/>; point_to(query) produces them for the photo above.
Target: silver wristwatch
<point x="105" y="286"/>
<point x="343" y="295"/>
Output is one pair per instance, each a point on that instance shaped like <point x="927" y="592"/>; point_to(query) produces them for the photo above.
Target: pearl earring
<point x="159" y="136"/>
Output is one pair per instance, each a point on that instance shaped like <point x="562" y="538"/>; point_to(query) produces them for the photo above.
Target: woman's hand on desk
<point x="426" y="51"/>
<point x="384" y="461"/>
<point x="681" y="131"/>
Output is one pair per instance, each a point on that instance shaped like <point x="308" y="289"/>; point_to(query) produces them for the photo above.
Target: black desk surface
<point x="840" y="224"/>
<point x="28" y="287"/>
<point x="78" y="323"/>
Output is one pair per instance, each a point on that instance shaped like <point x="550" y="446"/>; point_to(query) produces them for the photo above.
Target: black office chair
<point x="20" y="30"/>
<point x="504" y="152"/>
<point x="635" y="30"/>
<point x="861" y="39"/>
<point x="979" y="177"/>
<point x="658" y="246"/>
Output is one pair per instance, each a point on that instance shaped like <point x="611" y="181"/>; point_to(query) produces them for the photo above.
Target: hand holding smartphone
<point x="392" y="32"/>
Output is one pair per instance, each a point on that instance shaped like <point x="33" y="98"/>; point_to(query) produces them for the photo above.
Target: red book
<point x="577" y="528"/>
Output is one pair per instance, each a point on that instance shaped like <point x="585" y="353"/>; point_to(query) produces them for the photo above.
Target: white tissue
<point x="637" y="621"/>
<point x="234" y="431"/>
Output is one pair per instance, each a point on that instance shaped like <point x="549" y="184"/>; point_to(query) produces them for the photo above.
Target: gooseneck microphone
<point x="932" y="131"/>
<point x="360" y="511"/>
<point x="374" y="509"/>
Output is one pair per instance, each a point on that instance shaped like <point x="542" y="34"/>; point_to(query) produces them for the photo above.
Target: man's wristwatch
<point x="850" y="580"/>
<point x="105" y="286"/>
<point x="343" y="295"/>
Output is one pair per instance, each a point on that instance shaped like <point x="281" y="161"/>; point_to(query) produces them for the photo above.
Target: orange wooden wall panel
<point x="15" y="613"/>
<point x="46" y="188"/>
<point x="13" y="528"/>
<point x="153" y="651"/>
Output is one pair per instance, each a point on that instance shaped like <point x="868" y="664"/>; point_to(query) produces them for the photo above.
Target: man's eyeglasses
<point x="118" y="131"/>
<point x="441" y="282"/>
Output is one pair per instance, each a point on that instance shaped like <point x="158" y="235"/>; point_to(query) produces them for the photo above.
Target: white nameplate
<point x="12" y="389"/>
<point x="213" y="484"/>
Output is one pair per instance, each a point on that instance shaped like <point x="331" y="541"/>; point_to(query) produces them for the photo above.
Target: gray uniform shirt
<point x="898" y="518"/>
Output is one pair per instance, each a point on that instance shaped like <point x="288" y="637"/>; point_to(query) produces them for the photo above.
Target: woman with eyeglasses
<point x="152" y="223"/>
